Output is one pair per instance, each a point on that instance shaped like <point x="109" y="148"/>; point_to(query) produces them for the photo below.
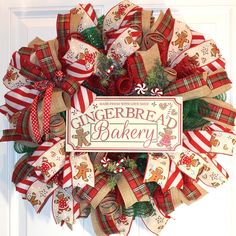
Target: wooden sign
<point x="126" y="124"/>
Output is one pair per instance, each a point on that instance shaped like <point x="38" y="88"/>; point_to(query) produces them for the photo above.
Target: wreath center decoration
<point x="126" y="54"/>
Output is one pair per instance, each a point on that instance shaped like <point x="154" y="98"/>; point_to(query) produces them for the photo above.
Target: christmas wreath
<point x="127" y="52"/>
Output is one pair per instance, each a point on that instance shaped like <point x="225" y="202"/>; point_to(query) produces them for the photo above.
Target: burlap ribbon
<point x="129" y="184"/>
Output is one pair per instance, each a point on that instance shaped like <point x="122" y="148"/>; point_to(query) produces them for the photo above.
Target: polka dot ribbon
<point x="47" y="88"/>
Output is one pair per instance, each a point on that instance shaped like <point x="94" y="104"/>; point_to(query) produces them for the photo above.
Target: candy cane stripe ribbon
<point x="18" y="99"/>
<point x="198" y="141"/>
<point x="82" y="99"/>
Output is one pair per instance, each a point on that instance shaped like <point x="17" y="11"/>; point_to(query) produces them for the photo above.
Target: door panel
<point x="23" y="20"/>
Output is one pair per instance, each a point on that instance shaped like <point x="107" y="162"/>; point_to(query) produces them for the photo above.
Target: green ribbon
<point x="21" y="148"/>
<point x="193" y="111"/>
<point x="93" y="35"/>
<point x="140" y="209"/>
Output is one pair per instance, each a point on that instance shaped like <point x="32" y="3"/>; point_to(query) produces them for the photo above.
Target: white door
<point x="21" y="21"/>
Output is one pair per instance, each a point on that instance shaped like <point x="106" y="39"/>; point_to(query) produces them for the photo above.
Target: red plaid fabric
<point x="217" y="80"/>
<point x="88" y="193"/>
<point x="166" y="26"/>
<point x="136" y="68"/>
<point x="189" y="189"/>
<point x="135" y="180"/>
<point x="163" y="201"/>
<point x="25" y="51"/>
<point x="63" y="28"/>
<point x="106" y="223"/>
<point x="70" y="85"/>
<point x="220" y="114"/>
<point x="22" y="169"/>
<point x="136" y="21"/>
<point x="22" y="125"/>
<point x="28" y="69"/>
<point x="46" y="61"/>
<point x="185" y="85"/>
<point x="12" y="135"/>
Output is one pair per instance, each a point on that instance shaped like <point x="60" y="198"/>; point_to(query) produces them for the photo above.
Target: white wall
<point x="21" y="21"/>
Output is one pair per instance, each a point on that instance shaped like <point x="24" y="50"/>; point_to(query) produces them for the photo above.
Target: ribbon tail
<point x="62" y="206"/>
<point x="82" y="170"/>
<point x="82" y="99"/>
<point x="157" y="221"/>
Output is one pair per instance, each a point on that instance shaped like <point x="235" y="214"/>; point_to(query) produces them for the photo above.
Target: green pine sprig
<point x="157" y="78"/>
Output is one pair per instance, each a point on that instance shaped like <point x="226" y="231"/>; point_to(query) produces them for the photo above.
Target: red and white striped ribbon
<point x="197" y="38"/>
<point x="217" y="127"/>
<point x="112" y="36"/>
<point x="80" y="59"/>
<point x="88" y="19"/>
<point x="214" y="66"/>
<point x="16" y="60"/>
<point x="175" y="178"/>
<point x="90" y="11"/>
<point x="42" y="149"/>
<point x="23" y="186"/>
<point x="128" y="18"/>
<point x="82" y="99"/>
<point x="197" y="141"/>
<point x="18" y="99"/>
<point x="119" y="15"/>
<point x="76" y="210"/>
<point x="67" y="173"/>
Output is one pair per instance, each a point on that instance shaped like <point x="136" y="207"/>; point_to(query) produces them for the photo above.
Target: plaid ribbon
<point x="166" y="25"/>
<point x="136" y="68"/>
<point x="46" y="61"/>
<point x="136" y="21"/>
<point x="12" y="135"/>
<point x="135" y="181"/>
<point x="164" y="201"/>
<point x="133" y="177"/>
<point x="189" y="190"/>
<point x="22" y="124"/>
<point x="106" y="222"/>
<point x="217" y="80"/>
<point x="63" y="28"/>
<point x="70" y="86"/>
<point x="185" y="85"/>
<point x="88" y="193"/>
<point x="28" y="69"/>
<point x="220" y="114"/>
<point x="21" y="171"/>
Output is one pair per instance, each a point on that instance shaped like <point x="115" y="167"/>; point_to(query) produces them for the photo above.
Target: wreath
<point x="127" y="52"/>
